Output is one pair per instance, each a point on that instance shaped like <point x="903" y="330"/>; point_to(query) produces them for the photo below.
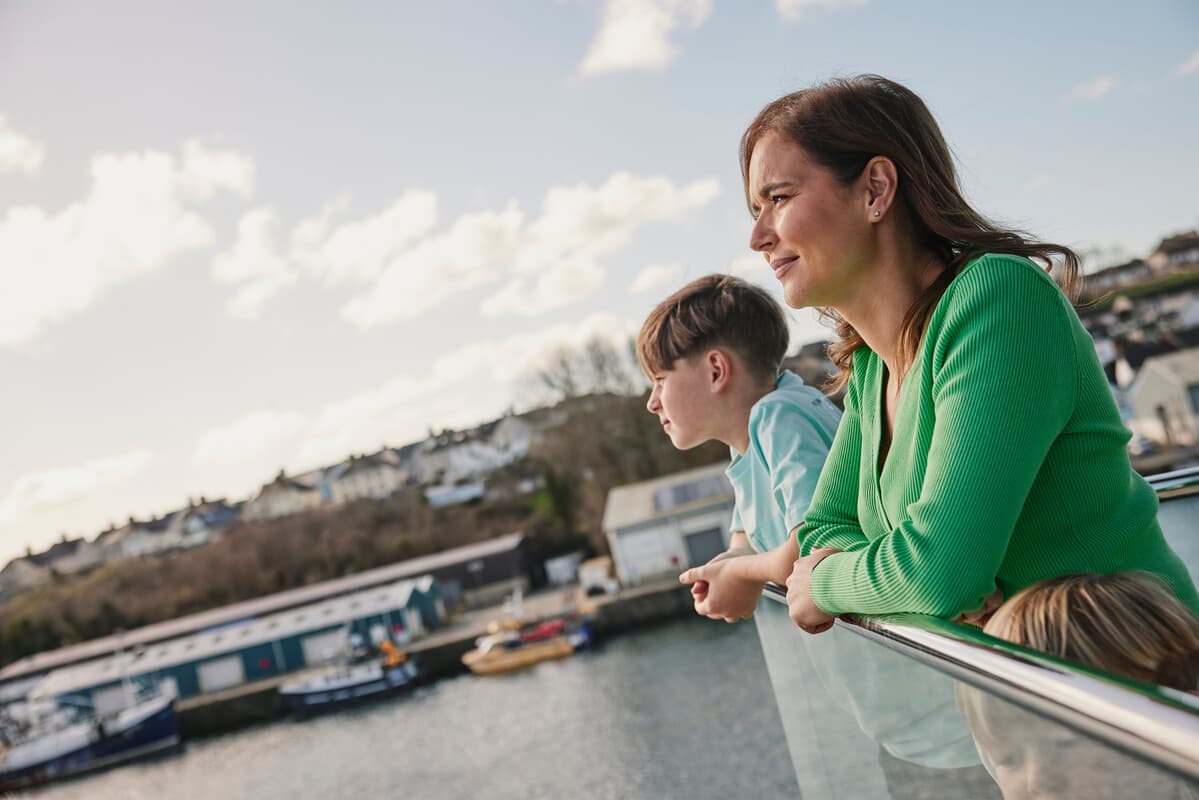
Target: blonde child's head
<point x="1128" y="623"/>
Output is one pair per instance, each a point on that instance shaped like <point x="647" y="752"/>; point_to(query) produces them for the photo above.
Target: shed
<point x="667" y="524"/>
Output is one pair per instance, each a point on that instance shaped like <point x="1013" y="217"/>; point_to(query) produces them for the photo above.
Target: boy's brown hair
<point x="716" y="311"/>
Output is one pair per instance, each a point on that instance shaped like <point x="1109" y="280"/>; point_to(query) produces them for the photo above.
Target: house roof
<point x="170" y="629"/>
<point x="60" y="549"/>
<point x="1179" y="242"/>
<point x="232" y="637"/>
<point x="1116" y="269"/>
<point x="1180" y="367"/>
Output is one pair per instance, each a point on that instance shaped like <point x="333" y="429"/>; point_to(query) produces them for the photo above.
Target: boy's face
<point x="682" y="400"/>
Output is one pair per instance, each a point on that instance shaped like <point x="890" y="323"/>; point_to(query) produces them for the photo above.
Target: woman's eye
<point x="775" y="199"/>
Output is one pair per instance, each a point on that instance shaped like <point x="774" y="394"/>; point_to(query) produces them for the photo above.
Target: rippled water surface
<point x="682" y="710"/>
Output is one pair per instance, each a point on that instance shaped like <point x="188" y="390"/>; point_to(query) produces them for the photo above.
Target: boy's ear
<point x="720" y="370"/>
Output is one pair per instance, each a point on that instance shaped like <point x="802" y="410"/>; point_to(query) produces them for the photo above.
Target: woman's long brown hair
<point x="841" y="125"/>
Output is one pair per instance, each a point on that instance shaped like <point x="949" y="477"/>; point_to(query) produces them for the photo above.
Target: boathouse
<point x="475" y="573"/>
<point x="662" y="526"/>
<point x="254" y="648"/>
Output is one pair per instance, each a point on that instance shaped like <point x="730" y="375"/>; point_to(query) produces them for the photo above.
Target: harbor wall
<point x="439" y="655"/>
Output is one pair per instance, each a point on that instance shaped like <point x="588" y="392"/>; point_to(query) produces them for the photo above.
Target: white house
<point x="281" y="497"/>
<point x="1165" y="398"/>
<point x="64" y="557"/>
<point x="206" y="521"/>
<point x="662" y="526"/>
<point x="154" y="536"/>
<point x="373" y="476"/>
<point x="21" y="574"/>
<point x="454" y="456"/>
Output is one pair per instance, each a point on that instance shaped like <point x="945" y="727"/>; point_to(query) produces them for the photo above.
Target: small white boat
<point x="56" y="743"/>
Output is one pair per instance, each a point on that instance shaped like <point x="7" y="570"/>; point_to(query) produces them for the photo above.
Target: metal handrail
<point x="1187" y="476"/>
<point x="1155" y="723"/>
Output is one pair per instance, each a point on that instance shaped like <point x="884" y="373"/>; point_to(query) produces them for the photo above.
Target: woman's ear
<point x="882" y="181"/>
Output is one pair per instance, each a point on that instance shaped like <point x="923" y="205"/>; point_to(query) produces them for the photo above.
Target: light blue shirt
<point x="790" y="432"/>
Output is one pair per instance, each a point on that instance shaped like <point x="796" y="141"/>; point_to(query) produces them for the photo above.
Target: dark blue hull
<point x="393" y="682"/>
<point x="156" y="733"/>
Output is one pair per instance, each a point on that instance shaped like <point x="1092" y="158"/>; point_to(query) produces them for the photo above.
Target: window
<point x="1193" y="393"/>
<point x="679" y="494"/>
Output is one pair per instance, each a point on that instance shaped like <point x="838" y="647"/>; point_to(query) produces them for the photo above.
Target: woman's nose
<point x="761" y="236"/>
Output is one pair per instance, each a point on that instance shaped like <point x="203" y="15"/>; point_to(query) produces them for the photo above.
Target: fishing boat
<point x="512" y="646"/>
<point x="350" y="683"/>
<point x="54" y="742"/>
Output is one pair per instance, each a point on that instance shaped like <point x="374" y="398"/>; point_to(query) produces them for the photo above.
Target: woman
<point x="981" y="450"/>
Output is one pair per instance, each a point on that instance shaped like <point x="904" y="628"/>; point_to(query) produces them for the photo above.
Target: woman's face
<point x="814" y="232"/>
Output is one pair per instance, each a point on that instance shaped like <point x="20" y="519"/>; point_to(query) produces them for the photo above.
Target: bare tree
<point x="600" y="366"/>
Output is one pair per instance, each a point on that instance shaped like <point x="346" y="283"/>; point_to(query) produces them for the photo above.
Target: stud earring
<point x="876" y="213"/>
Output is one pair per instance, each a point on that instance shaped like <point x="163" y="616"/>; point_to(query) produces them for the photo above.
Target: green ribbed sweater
<point x="1007" y="463"/>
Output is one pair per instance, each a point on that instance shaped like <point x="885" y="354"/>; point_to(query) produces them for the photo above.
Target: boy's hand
<point x="804" y="611"/>
<point x="720" y="591"/>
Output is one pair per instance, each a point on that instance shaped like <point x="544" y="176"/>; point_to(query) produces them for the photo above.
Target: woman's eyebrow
<point x="771" y="188"/>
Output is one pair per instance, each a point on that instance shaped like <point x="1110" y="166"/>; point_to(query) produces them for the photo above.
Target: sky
<point x="239" y="237"/>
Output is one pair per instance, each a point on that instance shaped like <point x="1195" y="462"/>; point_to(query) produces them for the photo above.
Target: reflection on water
<point x="682" y="710"/>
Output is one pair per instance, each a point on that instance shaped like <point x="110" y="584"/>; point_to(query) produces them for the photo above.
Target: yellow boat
<point x="491" y="658"/>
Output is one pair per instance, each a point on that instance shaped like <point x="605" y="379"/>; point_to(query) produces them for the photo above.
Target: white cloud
<point x="247" y="437"/>
<point x="359" y="250"/>
<point x="19" y="153"/>
<point x="349" y="252"/>
<point x="561" y="284"/>
<point x="206" y="170"/>
<point x="549" y="262"/>
<point x="750" y="266"/>
<point x="792" y="10"/>
<point x="637" y="34"/>
<point x="253" y="264"/>
<point x="133" y="221"/>
<point x="1093" y="90"/>
<point x="472" y="252"/>
<point x="448" y="393"/>
<point x="53" y="487"/>
<point x="656" y="276"/>
<point x="1188" y="67"/>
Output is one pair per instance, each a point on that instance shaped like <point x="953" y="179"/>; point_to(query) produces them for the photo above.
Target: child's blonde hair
<point x="1128" y="623"/>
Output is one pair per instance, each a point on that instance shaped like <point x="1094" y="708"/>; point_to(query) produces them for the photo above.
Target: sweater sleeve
<point x="1003" y="384"/>
<point x="794" y="449"/>
<point x="832" y="516"/>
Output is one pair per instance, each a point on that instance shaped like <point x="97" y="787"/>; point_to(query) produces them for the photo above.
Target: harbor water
<point x="678" y="710"/>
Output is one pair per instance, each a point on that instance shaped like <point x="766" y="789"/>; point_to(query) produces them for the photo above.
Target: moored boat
<point x="520" y="647"/>
<point x="348" y="684"/>
<point x="58" y="744"/>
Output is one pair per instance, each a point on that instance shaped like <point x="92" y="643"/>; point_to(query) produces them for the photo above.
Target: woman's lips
<point x="781" y="266"/>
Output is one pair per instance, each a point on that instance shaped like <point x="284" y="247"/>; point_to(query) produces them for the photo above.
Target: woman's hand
<point x="804" y="612"/>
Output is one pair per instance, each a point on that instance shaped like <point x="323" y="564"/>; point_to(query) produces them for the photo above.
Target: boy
<point x="712" y="351"/>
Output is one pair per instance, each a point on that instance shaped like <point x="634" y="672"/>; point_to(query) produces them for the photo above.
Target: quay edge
<point x="439" y="656"/>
